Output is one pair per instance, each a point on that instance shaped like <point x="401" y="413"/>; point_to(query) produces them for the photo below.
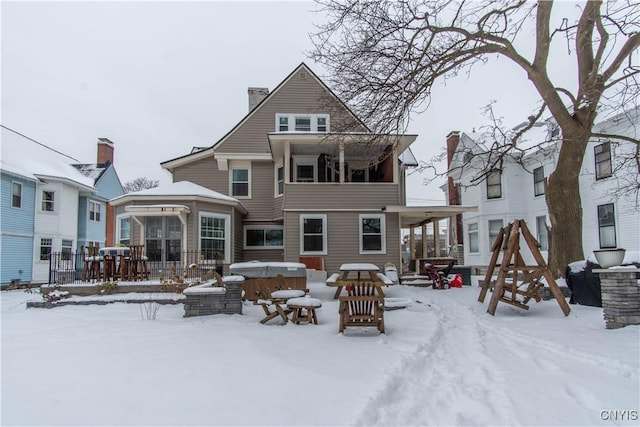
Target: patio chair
<point x="274" y="303"/>
<point x="138" y="263"/>
<point x="90" y="263"/>
<point x="362" y="307"/>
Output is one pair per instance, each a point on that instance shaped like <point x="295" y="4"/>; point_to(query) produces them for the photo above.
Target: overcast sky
<point x="158" y="78"/>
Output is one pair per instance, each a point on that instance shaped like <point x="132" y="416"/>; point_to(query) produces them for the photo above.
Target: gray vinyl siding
<point x="278" y="205"/>
<point x="203" y="172"/>
<point x="343" y="240"/>
<point x="295" y="96"/>
<point x="260" y="205"/>
<point x="238" y="239"/>
<point x="341" y="196"/>
<point x="266" y="255"/>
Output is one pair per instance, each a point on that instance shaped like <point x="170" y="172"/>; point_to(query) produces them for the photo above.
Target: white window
<point x="215" y="236"/>
<point x="372" y="234"/>
<point x="283" y="124"/>
<point x="240" y="179"/>
<point x="123" y="230"/>
<point x="263" y="237"/>
<point x="538" y="181"/>
<point x="94" y="211"/>
<point x="279" y="180"/>
<point x="48" y="198"/>
<point x="494" y="185"/>
<point x="494" y="229"/>
<point x="603" y="160"/>
<point x="16" y="195"/>
<point x="472" y="232"/>
<point x="317" y="123"/>
<point x="305" y="169"/>
<point x="45" y="248"/>
<point x="313" y="234"/>
<point x="321" y="123"/>
<point x="303" y="124"/>
<point x="67" y="247"/>
<point x="607" y="226"/>
<point x="541" y="232"/>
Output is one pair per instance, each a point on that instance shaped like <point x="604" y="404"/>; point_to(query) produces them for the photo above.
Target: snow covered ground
<point x="443" y="361"/>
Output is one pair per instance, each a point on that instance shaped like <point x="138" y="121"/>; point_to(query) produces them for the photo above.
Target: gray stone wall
<point x="620" y="297"/>
<point x="205" y="304"/>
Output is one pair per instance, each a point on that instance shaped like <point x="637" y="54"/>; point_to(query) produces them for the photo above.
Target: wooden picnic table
<point x="366" y="274"/>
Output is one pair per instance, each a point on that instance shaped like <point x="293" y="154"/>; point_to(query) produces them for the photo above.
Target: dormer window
<point x="315" y="123"/>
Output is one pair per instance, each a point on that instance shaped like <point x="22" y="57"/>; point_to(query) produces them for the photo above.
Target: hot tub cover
<point x="257" y="269"/>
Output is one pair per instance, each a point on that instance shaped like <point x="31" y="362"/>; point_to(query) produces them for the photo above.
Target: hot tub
<point x="294" y="273"/>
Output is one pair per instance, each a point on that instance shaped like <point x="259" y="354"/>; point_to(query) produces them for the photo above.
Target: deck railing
<point x="68" y="267"/>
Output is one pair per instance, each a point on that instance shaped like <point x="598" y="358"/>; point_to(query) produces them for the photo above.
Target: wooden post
<point x="531" y="242"/>
<point x="504" y="267"/>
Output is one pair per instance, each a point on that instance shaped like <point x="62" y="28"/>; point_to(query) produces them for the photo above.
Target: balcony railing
<point x="69" y="268"/>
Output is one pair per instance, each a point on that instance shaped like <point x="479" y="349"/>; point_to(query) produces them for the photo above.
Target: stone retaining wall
<point x="207" y="300"/>
<point x="620" y="296"/>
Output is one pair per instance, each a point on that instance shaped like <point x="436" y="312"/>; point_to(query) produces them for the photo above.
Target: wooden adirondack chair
<point x="362" y="307"/>
<point x="274" y="303"/>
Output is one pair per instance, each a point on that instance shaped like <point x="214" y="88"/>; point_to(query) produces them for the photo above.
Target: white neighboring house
<point x="609" y="218"/>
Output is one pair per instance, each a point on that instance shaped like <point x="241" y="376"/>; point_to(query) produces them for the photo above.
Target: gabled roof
<point x="207" y="152"/>
<point x="32" y="160"/>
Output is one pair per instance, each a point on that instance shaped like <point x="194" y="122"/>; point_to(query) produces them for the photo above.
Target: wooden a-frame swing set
<point x="512" y="262"/>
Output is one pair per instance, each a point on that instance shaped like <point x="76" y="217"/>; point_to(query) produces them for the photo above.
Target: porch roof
<point x="277" y="139"/>
<point x="157" y="210"/>
<point x="415" y="216"/>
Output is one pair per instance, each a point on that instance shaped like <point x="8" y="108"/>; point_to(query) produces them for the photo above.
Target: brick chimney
<point x="256" y="95"/>
<point x="453" y="139"/>
<point x="105" y="151"/>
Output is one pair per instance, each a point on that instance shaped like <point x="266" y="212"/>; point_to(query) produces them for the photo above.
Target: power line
<point x="40" y="143"/>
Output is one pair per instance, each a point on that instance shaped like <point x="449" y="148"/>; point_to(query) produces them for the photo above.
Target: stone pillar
<point x="620" y="296"/>
<point x="205" y="300"/>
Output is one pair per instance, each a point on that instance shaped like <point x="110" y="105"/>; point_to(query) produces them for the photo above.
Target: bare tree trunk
<point x="565" y="206"/>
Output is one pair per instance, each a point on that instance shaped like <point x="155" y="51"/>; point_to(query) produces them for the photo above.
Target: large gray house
<point x="298" y="179"/>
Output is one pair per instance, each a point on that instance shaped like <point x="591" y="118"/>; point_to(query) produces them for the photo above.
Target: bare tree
<point x="140" y="183"/>
<point x="384" y="58"/>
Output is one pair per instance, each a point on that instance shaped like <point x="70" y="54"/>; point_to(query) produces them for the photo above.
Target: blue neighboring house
<point x="96" y="218"/>
<point x="50" y="203"/>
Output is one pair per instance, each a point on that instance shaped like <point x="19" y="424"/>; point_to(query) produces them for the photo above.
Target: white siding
<point x="519" y="202"/>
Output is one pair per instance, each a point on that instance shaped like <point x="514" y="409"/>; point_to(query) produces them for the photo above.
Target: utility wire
<point x="40" y="143"/>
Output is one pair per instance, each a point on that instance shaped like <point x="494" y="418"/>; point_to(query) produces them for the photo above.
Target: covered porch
<point x="417" y="220"/>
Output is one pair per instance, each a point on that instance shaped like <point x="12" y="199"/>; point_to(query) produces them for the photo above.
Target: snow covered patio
<point x="442" y="361"/>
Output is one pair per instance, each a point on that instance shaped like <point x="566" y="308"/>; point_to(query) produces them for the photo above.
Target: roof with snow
<point x="24" y="157"/>
<point x="181" y="190"/>
<point x="92" y="170"/>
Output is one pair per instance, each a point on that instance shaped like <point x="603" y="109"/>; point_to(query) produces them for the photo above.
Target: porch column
<point x="135" y="218"/>
<point x="341" y="162"/>
<point x="183" y="220"/>
<point x="287" y="162"/>
<point x="436" y="236"/>
<point x="412" y="245"/>
<point x="424" y="241"/>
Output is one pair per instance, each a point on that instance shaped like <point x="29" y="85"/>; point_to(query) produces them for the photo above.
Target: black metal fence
<point x="69" y="267"/>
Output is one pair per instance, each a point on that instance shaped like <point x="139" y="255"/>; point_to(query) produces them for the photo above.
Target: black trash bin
<point x="585" y="285"/>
